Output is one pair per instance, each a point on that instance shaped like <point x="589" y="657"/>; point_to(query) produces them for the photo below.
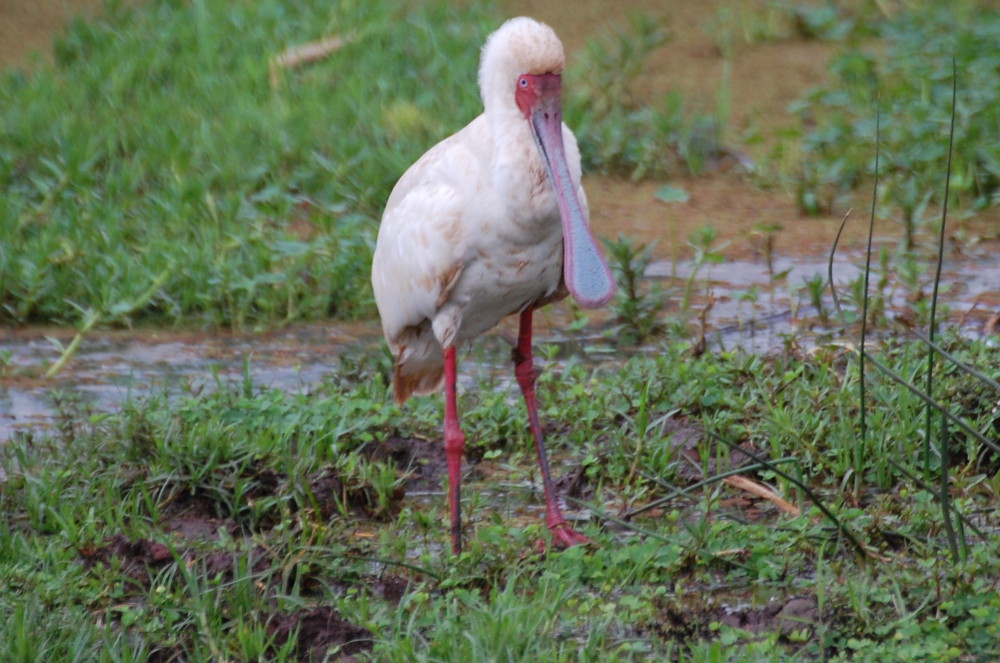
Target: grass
<point x="291" y="513"/>
<point x="622" y="136"/>
<point x="246" y="204"/>
<point x="216" y="200"/>
<point x="909" y="68"/>
<point x="219" y="201"/>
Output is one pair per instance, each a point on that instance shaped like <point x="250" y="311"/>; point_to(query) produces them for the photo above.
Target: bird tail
<point x="419" y="368"/>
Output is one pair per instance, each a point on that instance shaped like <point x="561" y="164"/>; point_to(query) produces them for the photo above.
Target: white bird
<point x="490" y="222"/>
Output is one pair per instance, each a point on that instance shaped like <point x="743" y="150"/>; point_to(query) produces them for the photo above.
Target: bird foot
<point x="564" y="536"/>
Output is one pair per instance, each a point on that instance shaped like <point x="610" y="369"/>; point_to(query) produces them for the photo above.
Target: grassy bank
<point x="153" y="174"/>
<point x="155" y="152"/>
<point x="158" y="172"/>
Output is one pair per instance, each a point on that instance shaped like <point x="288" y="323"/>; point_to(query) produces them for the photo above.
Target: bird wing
<point x="422" y="247"/>
<point x="422" y="240"/>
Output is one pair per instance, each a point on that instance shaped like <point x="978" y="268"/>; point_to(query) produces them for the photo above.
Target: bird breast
<point x="513" y="259"/>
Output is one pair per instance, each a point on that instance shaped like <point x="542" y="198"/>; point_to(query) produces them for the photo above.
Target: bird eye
<point x="523" y="82"/>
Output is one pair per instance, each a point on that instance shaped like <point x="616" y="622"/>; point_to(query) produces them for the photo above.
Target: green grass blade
<point x="864" y="306"/>
<point x="934" y="404"/>
<point x="932" y="325"/>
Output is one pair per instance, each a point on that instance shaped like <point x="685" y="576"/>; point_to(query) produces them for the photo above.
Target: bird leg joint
<point x="454" y="441"/>
<point x="524" y="370"/>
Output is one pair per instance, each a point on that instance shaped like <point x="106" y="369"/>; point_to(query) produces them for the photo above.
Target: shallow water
<point x="110" y="368"/>
<point x="751" y="310"/>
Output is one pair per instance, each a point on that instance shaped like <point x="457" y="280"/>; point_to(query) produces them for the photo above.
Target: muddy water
<point x="110" y="368"/>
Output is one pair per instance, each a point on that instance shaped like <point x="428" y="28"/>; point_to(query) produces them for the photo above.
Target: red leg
<point x="524" y="369"/>
<point x="454" y="445"/>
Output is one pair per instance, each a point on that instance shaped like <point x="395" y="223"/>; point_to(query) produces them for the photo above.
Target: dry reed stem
<point x="297" y="56"/>
<point x="754" y="488"/>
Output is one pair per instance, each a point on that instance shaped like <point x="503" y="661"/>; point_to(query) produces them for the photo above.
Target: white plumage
<point x="472" y="231"/>
<point x="490" y="222"/>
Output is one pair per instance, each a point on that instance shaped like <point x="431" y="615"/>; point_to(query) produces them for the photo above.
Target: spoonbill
<point x="490" y="222"/>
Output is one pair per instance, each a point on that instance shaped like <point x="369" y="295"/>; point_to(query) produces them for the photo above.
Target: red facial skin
<point x="538" y="92"/>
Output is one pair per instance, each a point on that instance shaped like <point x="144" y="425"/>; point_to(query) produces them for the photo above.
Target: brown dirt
<point x="140" y="558"/>
<point x="27" y="26"/>
<point x="690" y="442"/>
<point x="318" y="630"/>
<point x="423" y="462"/>
<point x="195" y="517"/>
<point x="765" y="77"/>
<point x="727" y="203"/>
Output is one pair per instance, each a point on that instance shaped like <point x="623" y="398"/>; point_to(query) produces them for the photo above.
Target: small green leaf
<point x="672" y="194"/>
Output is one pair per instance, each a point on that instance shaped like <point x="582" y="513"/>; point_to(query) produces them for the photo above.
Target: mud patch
<point x="700" y="455"/>
<point x="135" y="559"/>
<point x="423" y="461"/>
<point x="139" y="559"/>
<point x="198" y="528"/>
<point x="333" y="494"/>
<point x="320" y="634"/>
<point x="793" y="620"/>
<point x="795" y="617"/>
<point x="202" y="511"/>
<point x="573" y="484"/>
<point x="196" y="513"/>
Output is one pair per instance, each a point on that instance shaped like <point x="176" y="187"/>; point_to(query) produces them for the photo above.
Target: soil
<point x="765" y="78"/>
<point x="794" y="619"/>
<point x="316" y="629"/>
<point x="27" y="26"/>
<point x="193" y="518"/>
<point x="423" y="462"/>
<point x="319" y="629"/>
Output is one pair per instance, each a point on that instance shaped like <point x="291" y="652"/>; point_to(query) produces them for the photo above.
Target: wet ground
<point x="112" y="367"/>
<point x="27" y="26"/>
<point x="192" y="518"/>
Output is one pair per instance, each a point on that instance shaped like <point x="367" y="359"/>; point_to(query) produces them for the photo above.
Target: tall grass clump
<point x="154" y="146"/>
<point x="912" y="75"/>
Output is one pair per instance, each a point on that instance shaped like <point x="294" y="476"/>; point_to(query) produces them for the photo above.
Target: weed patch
<point x="277" y="526"/>
<point x="912" y="79"/>
<point x="153" y="173"/>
